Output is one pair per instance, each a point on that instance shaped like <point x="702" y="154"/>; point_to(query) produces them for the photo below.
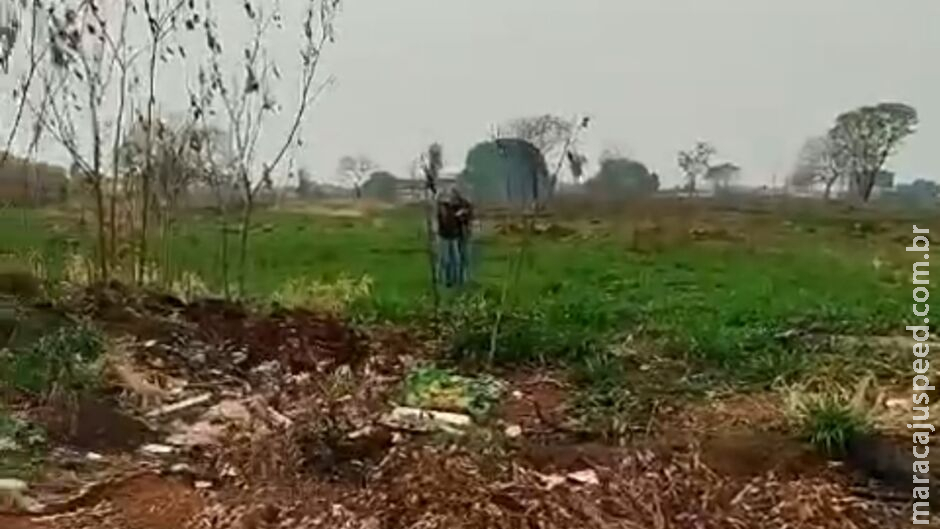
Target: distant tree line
<point x="26" y="183"/>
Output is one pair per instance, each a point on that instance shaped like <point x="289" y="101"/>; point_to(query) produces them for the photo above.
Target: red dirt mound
<point x="300" y="340"/>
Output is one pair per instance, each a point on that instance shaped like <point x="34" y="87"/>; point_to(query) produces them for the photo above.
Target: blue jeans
<point x="453" y="261"/>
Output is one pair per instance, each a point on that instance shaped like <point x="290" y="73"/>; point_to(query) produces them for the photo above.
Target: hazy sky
<point x="754" y="77"/>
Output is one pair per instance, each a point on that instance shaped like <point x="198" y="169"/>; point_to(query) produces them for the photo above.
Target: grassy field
<point x="722" y="290"/>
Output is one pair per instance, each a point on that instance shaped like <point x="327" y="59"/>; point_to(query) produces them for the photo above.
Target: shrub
<point x="441" y="389"/>
<point x="831" y="423"/>
<point x="313" y="294"/>
<point x="63" y="361"/>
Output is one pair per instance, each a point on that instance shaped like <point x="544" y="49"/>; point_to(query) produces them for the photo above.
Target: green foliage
<point x="867" y="136"/>
<point x="63" y="361"/>
<point x="312" y="294"/>
<point x="506" y="170"/>
<point x="381" y="185"/>
<point x="832" y="423"/>
<point x="434" y="388"/>
<point x="22" y="445"/>
<point x="623" y="177"/>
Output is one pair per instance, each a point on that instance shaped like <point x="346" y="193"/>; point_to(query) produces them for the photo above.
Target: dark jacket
<point x="453" y="218"/>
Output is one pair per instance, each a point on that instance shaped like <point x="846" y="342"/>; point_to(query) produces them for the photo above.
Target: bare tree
<point x="249" y="102"/>
<point x="695" y="163"/>
<point x="162" y="18"/>
<point x="819" y="162"/>
<point x="551" y="135"/>
<point x="867" y="137"/>
<point x="547" y="132"/>
<point x="10" y="24"/>
<point x="9" y="31"/>
<point x="431" y="164"/>
<point x="83" y="56"/>
<point x="356" y="170"/>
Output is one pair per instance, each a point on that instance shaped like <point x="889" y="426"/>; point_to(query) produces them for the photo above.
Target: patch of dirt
<point x="147" y="501"/>
<point x="153" y="502"/>
<point x="569" y="456"/>
<point x="745" y="453"/>
<point x="300" y="340"/>
<point x="754" y="412"/>
<point x="95" y="424"/>
<point x="537" y="402"/>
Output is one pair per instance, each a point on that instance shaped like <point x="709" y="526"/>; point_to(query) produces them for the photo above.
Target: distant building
<point x="412" y="190"/>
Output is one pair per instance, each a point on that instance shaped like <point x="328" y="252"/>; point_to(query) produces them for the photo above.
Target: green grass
<point x="831" y="424"/>
<point x="722" y="307"/>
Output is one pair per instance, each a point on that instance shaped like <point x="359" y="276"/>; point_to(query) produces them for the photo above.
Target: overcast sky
<point x="754" y="77"/>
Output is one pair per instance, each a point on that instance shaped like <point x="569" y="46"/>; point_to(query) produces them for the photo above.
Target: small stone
<point x="513" y="431"/>
<point x="202" y="485"/>
<point x="94" y="456"/>
<point x="181" y="468"/>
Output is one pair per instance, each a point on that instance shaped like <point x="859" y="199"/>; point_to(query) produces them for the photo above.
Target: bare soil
<point x="724" y="463"/>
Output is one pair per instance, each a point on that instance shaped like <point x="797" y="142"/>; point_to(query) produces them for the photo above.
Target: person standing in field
<point x="464" y="214"/>
<point x="454" y="214"/>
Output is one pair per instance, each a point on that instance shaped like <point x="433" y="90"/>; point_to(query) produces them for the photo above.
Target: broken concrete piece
<point x="551" y="480"/>
<point x="202" y="433"/>
<point x="13" y="485"/>
<point x="228" y="410"/>
<point x="181" y="405"/>
<point x="12" y="495"/>
<point x="585" y="477"/>
<point x="420" y="420"/>
<point x="157" y="449"/>
<point x="181" y="468"/>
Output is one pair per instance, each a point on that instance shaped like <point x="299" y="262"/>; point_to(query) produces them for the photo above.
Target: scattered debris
<point x="420" y="420"/>
<point x="440" y="389"/>
<point x="157" y="449"/>
<point x="13" y="485"/>
<point x="513" y="431"/>
<point x="181" y="405"/>
<point x="201" y="433"/>
<point x="13" y="497"/>
<point x="585" y="477"/>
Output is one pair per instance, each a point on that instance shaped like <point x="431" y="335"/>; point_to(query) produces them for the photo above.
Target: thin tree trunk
<point x="102" y="237"/>
<point x="226" y="287"/>
<point x="148" y="164"/>
<point x="243" y="248"/>
<point x="432" y="261"/>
